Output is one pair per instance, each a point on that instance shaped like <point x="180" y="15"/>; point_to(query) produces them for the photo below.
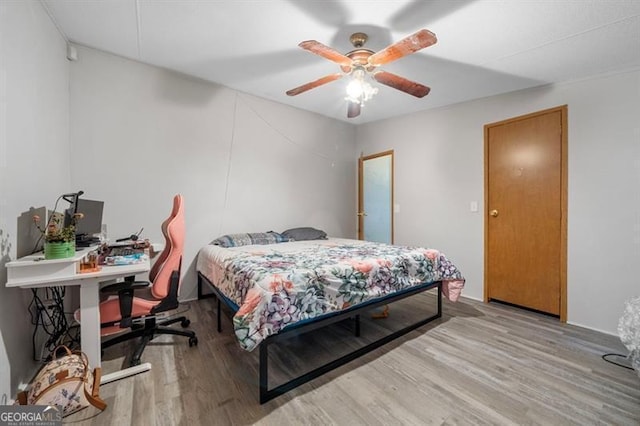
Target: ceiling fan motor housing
<point x="358" y="39"/>
<point x="359" y="58"/>
<point x="359" y="55"/>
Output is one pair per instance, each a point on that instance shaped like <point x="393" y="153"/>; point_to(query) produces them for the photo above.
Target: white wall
<point x="34" y="158"/>
<point x="141" y="134"/>
<point x="439" y="171"/>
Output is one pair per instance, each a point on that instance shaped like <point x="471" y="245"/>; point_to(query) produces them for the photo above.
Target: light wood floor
<point x="479" y="364"/>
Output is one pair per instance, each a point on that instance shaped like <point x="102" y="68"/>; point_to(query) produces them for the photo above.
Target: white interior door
<point x="375" y="214"/>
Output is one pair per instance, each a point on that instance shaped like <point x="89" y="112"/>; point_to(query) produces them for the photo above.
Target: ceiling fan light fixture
<point x="362" y="67"/>
<point x="359" y="90"/>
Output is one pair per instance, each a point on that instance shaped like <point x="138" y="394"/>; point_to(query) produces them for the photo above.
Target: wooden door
<point x="375" y="197"/>
<point x="525" y="220"/>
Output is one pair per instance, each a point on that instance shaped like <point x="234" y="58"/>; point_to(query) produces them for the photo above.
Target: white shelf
<point x="35" y="271"/>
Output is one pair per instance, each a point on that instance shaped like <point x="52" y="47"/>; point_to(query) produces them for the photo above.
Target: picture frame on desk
<point x="29" y="239"/>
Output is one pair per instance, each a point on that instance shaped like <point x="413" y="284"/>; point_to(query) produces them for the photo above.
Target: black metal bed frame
<point x="293" y="330"/>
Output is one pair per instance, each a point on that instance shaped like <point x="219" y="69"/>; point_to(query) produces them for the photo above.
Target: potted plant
<point x="59" y="240"/>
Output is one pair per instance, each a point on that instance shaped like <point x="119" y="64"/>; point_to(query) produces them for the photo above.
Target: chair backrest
<point x="171" y="257"/>
<point x="162" y="257"/>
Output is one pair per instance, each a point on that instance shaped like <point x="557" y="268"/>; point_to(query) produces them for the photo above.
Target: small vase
<point x="59" y="250"/>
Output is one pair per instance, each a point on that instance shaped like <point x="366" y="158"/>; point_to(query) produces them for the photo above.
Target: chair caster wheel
<point x="193" y="341"/>
<point x="185" y="323"/>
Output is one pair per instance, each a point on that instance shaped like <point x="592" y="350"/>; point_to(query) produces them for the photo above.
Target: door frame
<point x="361" y="161"/>
<point x="563" y="201"/>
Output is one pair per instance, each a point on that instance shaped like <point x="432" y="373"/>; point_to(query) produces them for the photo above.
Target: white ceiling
<point x="485" y="47"/>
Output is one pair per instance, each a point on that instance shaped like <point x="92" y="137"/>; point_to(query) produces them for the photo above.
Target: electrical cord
<point x="49" y="316"/>
<point x="616" y="363"/>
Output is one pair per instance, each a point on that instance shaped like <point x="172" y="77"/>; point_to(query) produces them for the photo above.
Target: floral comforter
<point x="279" y="284"/>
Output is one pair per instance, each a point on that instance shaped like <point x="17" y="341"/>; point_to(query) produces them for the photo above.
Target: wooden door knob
<point x="494" y="213"/>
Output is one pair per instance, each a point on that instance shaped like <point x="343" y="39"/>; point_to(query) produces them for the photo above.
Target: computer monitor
<point x="90" y="224"/>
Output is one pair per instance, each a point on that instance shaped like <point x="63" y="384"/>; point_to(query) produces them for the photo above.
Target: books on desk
<point x="125" y="255"/>
<point x="127" y="259"/>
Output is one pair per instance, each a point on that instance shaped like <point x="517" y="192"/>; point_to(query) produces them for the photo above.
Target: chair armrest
<point x="125" y="292"/>
<point x="125" y="285"/>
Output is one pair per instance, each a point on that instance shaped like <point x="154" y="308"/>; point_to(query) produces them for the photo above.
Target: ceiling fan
<point x="363" y="63"/>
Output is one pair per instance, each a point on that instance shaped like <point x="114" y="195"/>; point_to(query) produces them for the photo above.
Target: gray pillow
<point x="236" y="240"/>
<point x="303" y="234"/>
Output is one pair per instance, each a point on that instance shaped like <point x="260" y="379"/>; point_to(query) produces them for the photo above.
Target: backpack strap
<point x="93" y="397"/>
<point x="55" y="351"/>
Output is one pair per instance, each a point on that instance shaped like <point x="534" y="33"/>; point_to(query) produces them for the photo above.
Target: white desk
<point x="34" y="272"/>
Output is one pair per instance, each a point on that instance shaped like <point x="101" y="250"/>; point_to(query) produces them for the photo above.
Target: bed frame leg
<point x="201" y="294"/>
<point x="264" y="372"/>
<point x="358" y="325"/>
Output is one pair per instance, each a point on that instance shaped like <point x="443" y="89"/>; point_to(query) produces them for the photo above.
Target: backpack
<point x="66" y="382"/>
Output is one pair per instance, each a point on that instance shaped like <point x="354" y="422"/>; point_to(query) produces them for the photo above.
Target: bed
<point x="276" y="291"/>
<point x="629" y="331"/>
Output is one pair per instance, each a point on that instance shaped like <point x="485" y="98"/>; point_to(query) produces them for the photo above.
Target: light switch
<point x="473" y="206"/>
<point x="396" y="208"/>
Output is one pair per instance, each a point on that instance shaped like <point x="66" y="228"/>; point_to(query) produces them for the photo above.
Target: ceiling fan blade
<point x="326" y="52"/>
<point x="353" y="109"/>
<point x="312" y="85"/>
<point x="406" y="46"/>
<point x="392" y="80"/>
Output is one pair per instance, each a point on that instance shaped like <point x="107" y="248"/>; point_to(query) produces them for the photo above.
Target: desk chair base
<point x="148" y="332"/>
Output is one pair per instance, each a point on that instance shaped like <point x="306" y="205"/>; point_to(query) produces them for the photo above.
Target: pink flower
<point x="275" y="284"/>
<point x="278" y="283"/>
<point x="384" y="262"/>
<point x="362" y="266"/>
<point x="251" y="302"/>
<point x="431" y="254"/>
<point x="288" y="285"/>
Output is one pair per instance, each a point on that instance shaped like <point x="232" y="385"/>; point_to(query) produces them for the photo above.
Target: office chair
<point x="138" y="302"/>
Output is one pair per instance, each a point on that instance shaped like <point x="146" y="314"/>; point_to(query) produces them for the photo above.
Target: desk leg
<point x="90" y="317"/>
<point x="90" y="332"/>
